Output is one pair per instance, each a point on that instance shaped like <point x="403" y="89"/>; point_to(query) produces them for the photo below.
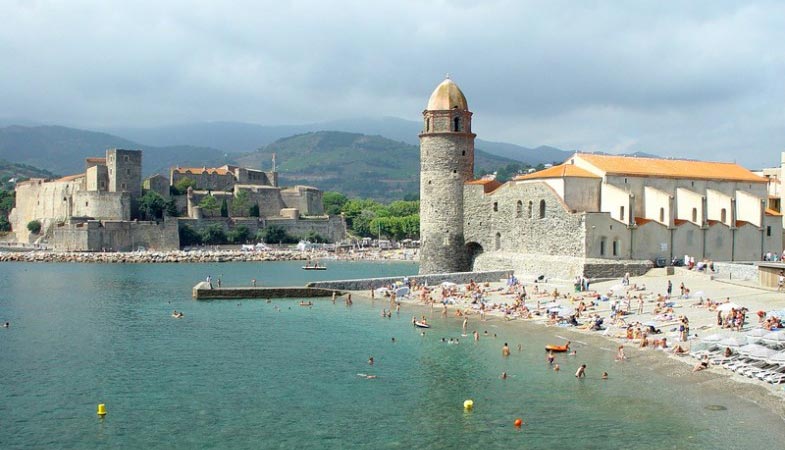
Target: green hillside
<point x="354" y="164"/>
<point x="13" y="171"/>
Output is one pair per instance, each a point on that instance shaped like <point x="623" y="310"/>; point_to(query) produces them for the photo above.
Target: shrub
<point x="189" y="236"/>
<point x="34" y="226"/>
<point x="239" y="235"/>
<point x="214" y="234"/>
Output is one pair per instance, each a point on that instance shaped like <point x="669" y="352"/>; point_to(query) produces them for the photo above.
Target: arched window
<point x="428" y="124"/>
<point x="497" y="244"/>
<point x="530" y="209"/>
<point x="519" y="209"/>
<point x="542" y="209"/>
<point x="723" y="215"/>
<point x="602" y="246"/>
<point x="616" y="247"/>
<point x="662" y="215"/>
<point x="456" y="124"/>
<point x="621" y="213"/>
<point x="695" y="215"/>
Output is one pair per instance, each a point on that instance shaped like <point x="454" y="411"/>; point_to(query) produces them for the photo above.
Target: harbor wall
<point x="202" y="291"/>
<point x="430" y="280"/>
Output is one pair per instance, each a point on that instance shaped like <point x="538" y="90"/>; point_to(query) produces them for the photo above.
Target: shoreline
<point x="760" y="393"/>
<point x="195" y="256"/>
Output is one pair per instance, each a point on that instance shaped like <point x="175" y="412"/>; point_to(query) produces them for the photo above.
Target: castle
<point x="596" y="215"/>
<point x="98" y="209"/>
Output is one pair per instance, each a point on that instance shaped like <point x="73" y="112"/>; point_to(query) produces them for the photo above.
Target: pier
<point x="202" y="291"/>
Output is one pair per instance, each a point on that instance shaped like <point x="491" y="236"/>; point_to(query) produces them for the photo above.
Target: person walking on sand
<point x="781" y="281"/>
<point x="670" y="288"/>
<point x="640" y="304"/>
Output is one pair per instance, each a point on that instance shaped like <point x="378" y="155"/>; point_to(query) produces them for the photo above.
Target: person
<point x="209" y="281"/>
<point x="505" y="350"/>
<point x="620" y="354"/>
<point x="640" y="304"/>
<point x="334" y="294"/>
<point x="370" y="361"/>
<point x="605" y="375"/>
<point x="550" y="357"/>
<point x="703" y="364"/>
<point x="556" y="368"/>
<point x="465" y="324"/>
<point x="393" y="340"/>
<point x="253" y="283"/>
<point x="669" y="290"/>
<point x="476" y="336"/>
<point x="520" y="347"/>
<point x="7" y="325"/>
<point x="573" y="353"/>
<point x="581" y="373"/>
<point x="728" y="352"/>
<point x="504" y="375"/>
<point x="781" y="281"/>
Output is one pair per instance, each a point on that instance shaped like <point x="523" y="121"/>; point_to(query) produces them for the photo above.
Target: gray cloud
<point x="701" y="79"/>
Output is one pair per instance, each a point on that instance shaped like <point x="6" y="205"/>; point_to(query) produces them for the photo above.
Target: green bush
<point x="189" y="236"/>
<point x="274" y="234"/>
<point x="182" y="185"/>
<point x="214" y="235"/>
<point x="239" y="235"/>
<point x="34" y="226"/>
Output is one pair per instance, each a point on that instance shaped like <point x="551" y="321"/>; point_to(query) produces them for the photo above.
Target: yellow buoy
<point x="468" y="405"/>
<point x="101" y="410"/>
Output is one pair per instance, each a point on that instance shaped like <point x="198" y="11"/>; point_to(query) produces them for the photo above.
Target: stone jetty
<point x="204" y="256"/>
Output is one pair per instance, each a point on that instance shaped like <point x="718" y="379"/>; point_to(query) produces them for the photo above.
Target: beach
<point x="702" y="322"/>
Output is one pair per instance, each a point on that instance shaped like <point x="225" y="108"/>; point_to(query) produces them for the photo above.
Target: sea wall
<point x="202" y="291"/>
<point x="735" y="271"/>
<point x="430" y="280"/>
<point x="532" y="266"/>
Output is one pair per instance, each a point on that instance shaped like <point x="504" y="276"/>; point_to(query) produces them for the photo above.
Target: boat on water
<point x="306" y="267"/>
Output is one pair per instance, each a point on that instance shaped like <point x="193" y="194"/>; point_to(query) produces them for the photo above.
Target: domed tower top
<point x="447" y="96"/>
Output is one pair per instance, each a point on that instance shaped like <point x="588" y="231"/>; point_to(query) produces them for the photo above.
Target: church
<point x="595" y="215"/>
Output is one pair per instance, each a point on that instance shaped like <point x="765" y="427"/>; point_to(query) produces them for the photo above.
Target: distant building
<point x="596" y="215"/>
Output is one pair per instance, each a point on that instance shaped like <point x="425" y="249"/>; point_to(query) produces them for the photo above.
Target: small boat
<point x="306" y="303"/>
<point x="314" y="267"/>
<point x="420" y="324"/>
<point x="557" y="348"/>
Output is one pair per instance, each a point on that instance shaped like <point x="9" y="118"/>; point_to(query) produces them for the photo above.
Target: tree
<point x="189" y="236"/>
<point x="239" y="235"/>
<point x="214" y="234"/>
<point x="182" y="185"/>
<point x="171" y="208"/>
<point x="240" y="204"/>
<point x="272" y="234"/>
<point x="210" y="205"/>
<point x="151" y="206"/>
<point x="333" y="202"/>
<point x="34" y="226"/>
<point x="4" y="224"/>
<point x="313" y="236"/>
<point x="224" y="208"/>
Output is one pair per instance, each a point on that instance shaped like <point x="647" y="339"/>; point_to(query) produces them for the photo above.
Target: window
<point x="428" y="124"/>
<point x="662" y="215"/>
<point x="519" y="209"/>
<point x="125" y="158"/>
<point x="602" y="247"/>
<point x="621" y="213"/>
<point x="498" y="241"/>
<point x="616" y="247"/>
<point x="122" y="186"/>
<point x="495" y="206"/>
<point x="542" y="209"/>
<point x="456" y="124"/>
<point x="463" y="153"/>
<point x="87" y="203"/>
<point x="723" y="215"/>
<point x="768" y="230"/>
<point x="695" y="215"/>
<point x="530" y="209"/>
<point x="128" y="171"/>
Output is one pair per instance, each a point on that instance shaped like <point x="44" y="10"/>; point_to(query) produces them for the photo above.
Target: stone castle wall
<point x="332" y="228"/>
<point x="123" y="236"/>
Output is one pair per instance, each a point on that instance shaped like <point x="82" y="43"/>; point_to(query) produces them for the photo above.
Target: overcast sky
<point x="700" y="79"/>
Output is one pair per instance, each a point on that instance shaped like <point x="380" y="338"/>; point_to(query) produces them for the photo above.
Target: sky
<point x="697" y="79"/>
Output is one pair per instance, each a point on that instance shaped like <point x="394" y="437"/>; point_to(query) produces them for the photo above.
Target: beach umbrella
<point x="713" y="338"/>
<point x="402" y="291"/>
<point x="775" y="338"/>
<point x="756" y="351"/>
<point x="778" y="357"/>
<point x="733" y="341"/>
<point x="725" y="307"/>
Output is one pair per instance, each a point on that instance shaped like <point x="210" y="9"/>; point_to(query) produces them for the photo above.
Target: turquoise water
<point x="252" y="374"/>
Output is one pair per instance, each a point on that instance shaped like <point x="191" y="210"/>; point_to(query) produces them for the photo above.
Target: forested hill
<point x="355" y="164"/>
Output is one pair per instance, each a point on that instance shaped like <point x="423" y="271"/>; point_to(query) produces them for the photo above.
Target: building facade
<point x="593" y="214"/>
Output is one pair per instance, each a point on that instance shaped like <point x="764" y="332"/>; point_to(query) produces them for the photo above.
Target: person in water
<point x="504" y="375"/>
<point x="581" y="373"/>
<point x="370" y="361"/>
<point x="605" y="375"/>
<point x="505" y="350"/>
<point x="550" y="357"/>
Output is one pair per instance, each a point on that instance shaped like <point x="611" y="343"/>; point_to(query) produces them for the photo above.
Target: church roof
<point x="670" y="168"/>
<point x="446" y="96"/>
<point x="562" y="170"/>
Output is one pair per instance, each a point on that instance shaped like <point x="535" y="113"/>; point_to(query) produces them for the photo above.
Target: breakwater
<point x="203" y="291"/>
<point x="156" y="257"/>
<point x="430" y="280"/>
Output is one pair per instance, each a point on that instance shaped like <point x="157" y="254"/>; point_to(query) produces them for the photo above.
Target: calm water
<point x="252" y="374"/>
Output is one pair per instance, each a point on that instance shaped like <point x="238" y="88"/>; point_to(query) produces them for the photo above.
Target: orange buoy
<point x="518" y="423"/>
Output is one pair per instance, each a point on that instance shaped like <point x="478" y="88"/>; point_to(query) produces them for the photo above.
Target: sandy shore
<point x="703" y="322"/>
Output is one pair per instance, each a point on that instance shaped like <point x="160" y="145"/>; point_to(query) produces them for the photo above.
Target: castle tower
<point x="446" y="163"/>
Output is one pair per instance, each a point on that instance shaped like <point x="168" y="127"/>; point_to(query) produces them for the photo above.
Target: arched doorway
<point x="473" y="249"/>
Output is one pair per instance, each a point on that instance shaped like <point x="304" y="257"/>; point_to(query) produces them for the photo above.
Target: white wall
<point x="654" y="200"/>
<point x="686" y="201"/>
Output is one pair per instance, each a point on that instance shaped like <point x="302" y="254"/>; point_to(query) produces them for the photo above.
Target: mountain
<point x="248" y="137"/>
<point x="63" y="150"/>
<point x="354" y="164"/>
<point x="10" y="171"/>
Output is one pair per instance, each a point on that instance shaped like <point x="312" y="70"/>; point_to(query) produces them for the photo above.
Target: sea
<point x="253" y="374"/>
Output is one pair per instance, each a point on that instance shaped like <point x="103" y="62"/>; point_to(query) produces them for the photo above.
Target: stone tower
<point x="446" y="163"/>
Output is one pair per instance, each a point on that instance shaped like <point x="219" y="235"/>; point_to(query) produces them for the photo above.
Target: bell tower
<point x="446" y="163"/>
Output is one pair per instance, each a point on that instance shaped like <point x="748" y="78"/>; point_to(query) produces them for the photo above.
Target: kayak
<point x="314" y="268"/>
<point x="419" y="324"/>
<point x="557" y="348"/>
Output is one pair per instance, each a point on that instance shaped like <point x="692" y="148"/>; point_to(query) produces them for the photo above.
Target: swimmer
<point x="476" y="336"/>
<point x="605" y="375"/>
<point x="370" y="361"/>
<point x="7" y="325"/>
<point x="465" y="324"/>
<point x="573" y="353"/>
<point x="422" y="334"/>
<point x="520" y="347"/>
<point x="505" y="350"/>
<point x="620" y="354"/>
<point x="550" y="357"/>
<point x="556" y="368"/>
<point x="581" y="373"/>
<point x="393" y="340"/>
<point x="504" y="375"/>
